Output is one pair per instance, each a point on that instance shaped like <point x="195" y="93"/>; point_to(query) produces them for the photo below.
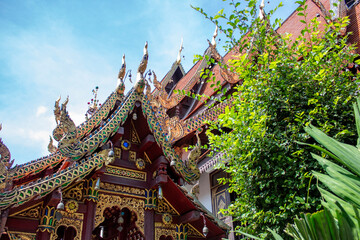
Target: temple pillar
<point x="149" y="228"/>
<point x="89" y="220"/>
<point x="150" y="206"/>
<point x="91" y="194"/>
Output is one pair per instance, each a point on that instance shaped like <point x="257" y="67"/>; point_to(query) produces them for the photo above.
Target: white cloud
<point x="41" y="110"/>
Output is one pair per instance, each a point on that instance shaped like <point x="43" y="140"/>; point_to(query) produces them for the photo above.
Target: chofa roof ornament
<point x="178" y="59"/>
<point x="140" y="81"/>
<point x="121" y="86"/>
<point x="262" y="12"/>
<point x="213" y="40"/>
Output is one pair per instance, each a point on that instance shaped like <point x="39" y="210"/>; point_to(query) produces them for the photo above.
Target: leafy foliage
<point x="286" y="85"/>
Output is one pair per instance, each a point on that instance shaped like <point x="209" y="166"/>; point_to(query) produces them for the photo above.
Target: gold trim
<point x="137" y="140"/>
<point x="193" y="232"/>
<point x="147" y="159"/>
<point x="166" y="230"/>
<point x="14" y="235"/>
<point x="74" y="220"/>
<point x="17" y="214"/>
<point x="125" y="173"/>
<point x="164" y="205"/>
<point x="133" y="204"/>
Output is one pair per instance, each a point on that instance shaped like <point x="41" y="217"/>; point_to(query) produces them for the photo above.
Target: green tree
<point x="287" y="84"/>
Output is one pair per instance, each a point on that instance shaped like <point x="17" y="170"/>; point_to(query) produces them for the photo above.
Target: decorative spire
<point x="122" y="69"/>
<point x="262" y="12"/>
<point x="144" y="61"/>
<point x="140" y="81"/>
<point x="178" y="59"/>
<point x="213" y="40"/>
<point x="93" y="104"/>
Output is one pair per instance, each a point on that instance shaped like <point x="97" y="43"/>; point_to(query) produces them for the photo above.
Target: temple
<point x="135" y="169"/>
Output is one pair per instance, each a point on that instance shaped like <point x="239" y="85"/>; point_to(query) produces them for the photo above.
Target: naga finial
<point x="178" y="59"/>
<point x="120" y="89"/>
<point x="51" y="147"/>
<point x="63" y="105"/>
<point x="213" y="40"/>
<point x="57" y="110"/>
<point x="122" y="70"/>
<point x="140" y="81"/>
<point x="194" y="154"/>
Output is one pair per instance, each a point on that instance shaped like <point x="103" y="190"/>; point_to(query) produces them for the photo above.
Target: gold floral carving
<point x="122" y="189"/>
<point x="193" y="232"/>
<point x="74" y="220"/>
<point x="75" y="192"/>
<point x="71" y="206"/>
<point x="125" y="173"/>
<point x="30" y="212"/>
<point x="132" y="156"/>
<point x="165" y="207"/>
<point x="133" y="204"/>
<point x="21" y="235"/>
<point x="134" y="135"/>
<point x="164" y="230"/>
<point x="117" y="152"/>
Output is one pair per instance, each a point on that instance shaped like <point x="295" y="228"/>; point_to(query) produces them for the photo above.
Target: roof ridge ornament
<point x="262" y="12"/>
<point x="120" y="89"/>
<point x="178" y="59"/>
<point x="140" y="81"/>
<point x="5" y="165"/>
<point x="213" y="40"/>
<point x="57" y="110"/>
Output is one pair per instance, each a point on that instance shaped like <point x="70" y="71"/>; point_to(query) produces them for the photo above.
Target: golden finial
<point x="213" y="40"/>
<point x="122" y="69"/>
<point x="178" y="59"/>
<point x="144" y="61"/>
<point x="140" y="81"/>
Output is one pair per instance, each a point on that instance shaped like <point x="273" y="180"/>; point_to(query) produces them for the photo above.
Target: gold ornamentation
<point x="5" y="165"/>
<point x="181" y="231"/>
<point x="150" y="199"/>
<point x="74" y="220"/>
<point x="193" y="232"/>
<point x="167" y="218"/>
<point x="117" y="152"/>
<point x="90" y="191"/>
<point x="48" y="220"/>
<point x="71" y="206"/>
<point x="125" y="173"/>
<point x="140" y="163"/>
<point x="165" y="230"/>
<point x="30" y="212"/>
<point x="74" y="192"/>
<point x="134" y="135"/>
<point x="21" y="235"/>
<point x="125" y="144"/>
<point x="122" y="189"/>
<point x="164" y="206"/>
<point x="78" y="170"/>
<point x="133" y="204"/>
<point x="147" y="159"/>
<point x="51" y="147"/>
<point x="132" y="156"/>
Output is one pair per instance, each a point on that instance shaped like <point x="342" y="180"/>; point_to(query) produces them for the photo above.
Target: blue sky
<point x="63" y="47"/>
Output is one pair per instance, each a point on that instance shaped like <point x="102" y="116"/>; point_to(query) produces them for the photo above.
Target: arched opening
<point x="163" y="237"/>
<point x="65" y="233"/>
<point x="119" y="224"/>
